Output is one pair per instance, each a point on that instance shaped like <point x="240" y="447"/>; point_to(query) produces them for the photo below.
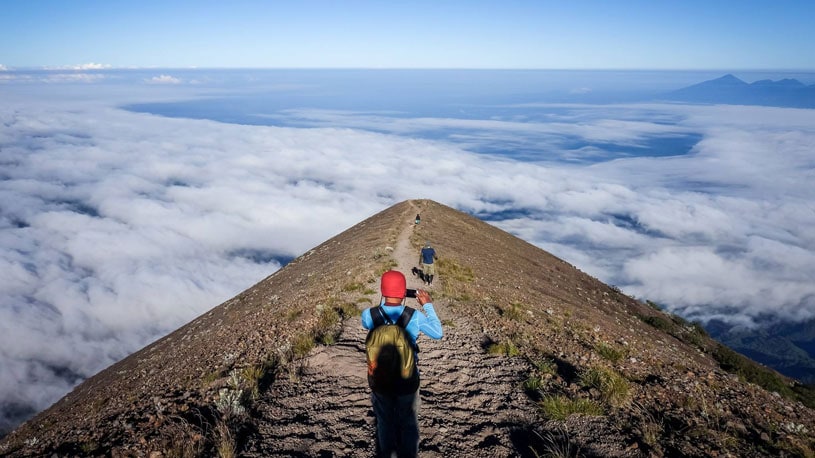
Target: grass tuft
<point x="352" y="287"/>
<point x="348" y="309"/>
<point x="614" y="389"/>
<point x="546" y="366"/>
<point x="292" y="315"/>
<point x="225" y="443"/>
<point x="303" y="344"/>
<point x="507" y="348"/>
<point x="561" y="407"/>
<point x="610" y="353"/>
<point x="513" y="312"/>
<point x="556" y="445"/>
<point x="533" y="383"/>
<point x="252" y="375"/>
<point x="326" y="331"/>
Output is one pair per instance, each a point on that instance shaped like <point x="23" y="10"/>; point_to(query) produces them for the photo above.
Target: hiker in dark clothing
<point x="427" y="259"/>
<point x="397" y="427"/>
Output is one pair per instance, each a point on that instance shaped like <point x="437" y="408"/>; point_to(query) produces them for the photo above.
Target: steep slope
<point x="537" y="357"/>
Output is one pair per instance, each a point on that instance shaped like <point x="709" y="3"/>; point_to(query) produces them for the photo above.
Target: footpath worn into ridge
<point x="472" y="403"/>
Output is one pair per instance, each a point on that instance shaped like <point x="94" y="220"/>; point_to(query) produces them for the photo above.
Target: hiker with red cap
<point x="392" y="355"/>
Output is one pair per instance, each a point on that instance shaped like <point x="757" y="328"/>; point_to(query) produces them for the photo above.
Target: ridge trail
<point x="472" y="403"/>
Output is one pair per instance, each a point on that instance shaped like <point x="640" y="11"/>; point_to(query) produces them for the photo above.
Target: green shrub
<point x="751" y="371"/>
<point x="658" y="322"/>
<point x="805" y="394"/>
<point x="698" y="329"/>
<point x="561" y="407"/>
<point x="654" y="305"/>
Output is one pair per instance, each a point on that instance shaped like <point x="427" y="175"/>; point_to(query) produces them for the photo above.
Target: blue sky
<point x="418" y="34"/>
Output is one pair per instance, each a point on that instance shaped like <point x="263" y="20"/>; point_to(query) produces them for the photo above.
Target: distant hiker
<point x="427" y="259"/>
<point x="418" y="219"/>
<point x="392" y="356"/>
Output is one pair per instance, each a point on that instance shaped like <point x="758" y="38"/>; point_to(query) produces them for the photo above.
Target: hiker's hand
<point x="423" y="297"/>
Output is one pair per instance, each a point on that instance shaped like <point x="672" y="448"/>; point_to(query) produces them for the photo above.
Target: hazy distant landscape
<point x="134" y="200"/>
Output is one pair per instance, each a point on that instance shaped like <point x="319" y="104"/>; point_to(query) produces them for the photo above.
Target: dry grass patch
<point x="352" y="287"/>
<point x="512" y="311"/>
<point x="180" y="439"/>
<point x="303" y="343"/>
<point x="452" y="270"/>
<point x="225" y="443"/>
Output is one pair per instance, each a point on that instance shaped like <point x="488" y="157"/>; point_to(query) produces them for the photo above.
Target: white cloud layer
<point x="117" y="228"/>
<point x="164" y="79"/>
<point x="88" y="66"/>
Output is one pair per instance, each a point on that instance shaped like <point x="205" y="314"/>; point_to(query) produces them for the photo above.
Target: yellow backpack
<point x="391" y="354"/>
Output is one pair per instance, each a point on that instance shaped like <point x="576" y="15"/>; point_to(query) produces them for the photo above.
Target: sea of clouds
<point x="118" y="227"/>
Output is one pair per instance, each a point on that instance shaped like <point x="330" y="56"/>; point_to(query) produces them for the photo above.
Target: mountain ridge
<point x="787" y="347"/>
<point x="729" y="89"/>
<point x="528" y="335"/>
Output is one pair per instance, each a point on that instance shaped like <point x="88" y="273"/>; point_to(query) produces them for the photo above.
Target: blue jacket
<point x="426" y="322"/>
<point x="428" y="255"/>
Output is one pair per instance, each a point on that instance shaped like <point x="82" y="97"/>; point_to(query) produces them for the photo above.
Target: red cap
<point x="393" y="284"/>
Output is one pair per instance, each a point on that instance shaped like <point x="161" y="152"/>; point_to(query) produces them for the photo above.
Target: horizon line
<point x="91" y="67"/>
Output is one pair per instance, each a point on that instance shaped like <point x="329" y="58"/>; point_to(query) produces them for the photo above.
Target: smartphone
<point x="410" y="293"/>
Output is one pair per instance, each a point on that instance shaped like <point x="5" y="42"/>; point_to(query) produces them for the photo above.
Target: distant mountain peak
<point x="729" y="89"/>
<point x="729" y="79"/>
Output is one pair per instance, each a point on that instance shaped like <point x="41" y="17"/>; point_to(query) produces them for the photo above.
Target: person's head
<point x="427" y="244"/>
<point x="393" y="286"/>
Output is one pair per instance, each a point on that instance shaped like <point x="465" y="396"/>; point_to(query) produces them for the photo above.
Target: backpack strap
<point x="405" y="317"/>
<point x="403" y="321"/>
<point x="379" y="317"/>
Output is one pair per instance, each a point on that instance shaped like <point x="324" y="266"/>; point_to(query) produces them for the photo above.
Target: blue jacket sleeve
<point x="430" y="325"/>
<point x="367" y="321"/>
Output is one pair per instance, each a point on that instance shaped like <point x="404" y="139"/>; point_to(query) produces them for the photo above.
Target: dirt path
<point x="472" y="403"/>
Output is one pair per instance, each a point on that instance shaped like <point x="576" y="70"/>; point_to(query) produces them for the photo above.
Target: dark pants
<point x="397" y="424"/>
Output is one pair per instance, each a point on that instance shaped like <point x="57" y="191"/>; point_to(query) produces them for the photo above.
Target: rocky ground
<point x="465" y="393"/>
